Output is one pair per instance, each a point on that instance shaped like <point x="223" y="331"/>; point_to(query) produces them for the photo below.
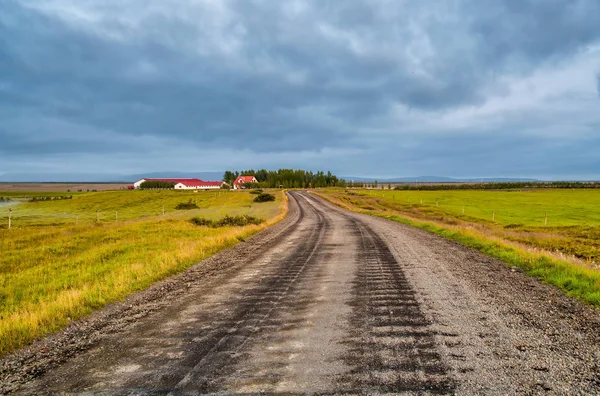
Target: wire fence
<point x="12" y="217"/>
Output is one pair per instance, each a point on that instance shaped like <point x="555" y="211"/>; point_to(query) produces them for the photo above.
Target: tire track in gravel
<point x="255" y="313"/>
<point x="390" y="344"/>
<point x="392" y="347"/>
<point x="197" y="355"/>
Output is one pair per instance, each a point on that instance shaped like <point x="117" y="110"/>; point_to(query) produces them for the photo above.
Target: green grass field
<point x="563" y="250"/>
<point x="53" y="271"/>
<point x="111" y="206"/>
<point x="564" y="221"/>
<point x="528" y="208"/>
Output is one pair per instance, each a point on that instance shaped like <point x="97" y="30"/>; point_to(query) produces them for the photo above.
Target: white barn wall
<point x="138" y="183"/>
<point x="181" y="186"/>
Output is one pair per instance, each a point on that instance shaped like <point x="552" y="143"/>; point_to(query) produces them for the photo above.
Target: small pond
<point x="9" y="203"/>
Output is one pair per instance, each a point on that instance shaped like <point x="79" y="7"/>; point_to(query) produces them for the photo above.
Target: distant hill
<point x="206" y="176"/>
<point x="436" y="179"/>
<point x="212" y="176"/>
<point x="102" y="177"/>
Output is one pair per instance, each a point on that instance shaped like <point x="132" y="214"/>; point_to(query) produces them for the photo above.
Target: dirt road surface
<point x="327" y="301"/>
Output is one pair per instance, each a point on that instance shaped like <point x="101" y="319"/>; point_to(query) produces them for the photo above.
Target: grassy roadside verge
<point x="51" y="275"/>
<point x="576" y="281"/>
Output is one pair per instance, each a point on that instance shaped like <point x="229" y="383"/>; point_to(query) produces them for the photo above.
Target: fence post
<point x="9" y="218"/>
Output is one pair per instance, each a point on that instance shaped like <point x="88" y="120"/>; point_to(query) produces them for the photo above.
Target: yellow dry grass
<point x="51" y="275"/>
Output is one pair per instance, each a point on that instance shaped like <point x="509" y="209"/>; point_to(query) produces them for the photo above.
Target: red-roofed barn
<point x="184" y="184"/>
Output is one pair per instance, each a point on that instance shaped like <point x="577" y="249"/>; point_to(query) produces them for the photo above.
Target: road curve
<point x="330" y="301"/>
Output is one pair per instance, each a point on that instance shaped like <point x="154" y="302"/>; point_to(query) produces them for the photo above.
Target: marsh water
<point x="9" y="203"/>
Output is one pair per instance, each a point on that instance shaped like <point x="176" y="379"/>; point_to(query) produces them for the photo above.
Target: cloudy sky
<point x="459" y="88"/>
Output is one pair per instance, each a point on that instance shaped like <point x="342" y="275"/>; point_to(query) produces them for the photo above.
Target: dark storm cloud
<point x="55" y="146"/>
<point x="276" y="76"/>
<point x="533" y="29"/>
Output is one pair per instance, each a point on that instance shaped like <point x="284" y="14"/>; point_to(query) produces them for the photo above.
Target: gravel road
<point x="327" y="301"/>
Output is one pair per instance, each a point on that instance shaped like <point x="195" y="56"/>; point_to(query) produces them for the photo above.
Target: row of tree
<point x="156" y="184"/>
<point x="287" y="178"/>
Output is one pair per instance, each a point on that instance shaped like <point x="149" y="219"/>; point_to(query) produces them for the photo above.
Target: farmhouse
<point x="241" y="180"/>
<point x="184" y="184"/>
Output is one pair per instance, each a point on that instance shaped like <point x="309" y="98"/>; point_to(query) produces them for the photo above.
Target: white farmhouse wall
<point x="181" y="186"/>
<point x="138" y="183"/>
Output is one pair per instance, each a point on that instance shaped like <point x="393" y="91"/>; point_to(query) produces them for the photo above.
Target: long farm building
<point x="183" y="184"/>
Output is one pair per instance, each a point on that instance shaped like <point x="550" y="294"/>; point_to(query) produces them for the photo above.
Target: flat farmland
<point x="60" y="187"/>
<point x="57" y="208"/>
<point x="65" y="257"/>
<point x="562" y="221"/>
<point x="533" y="208"/>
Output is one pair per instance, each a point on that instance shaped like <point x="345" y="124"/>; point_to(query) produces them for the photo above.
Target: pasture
<point x="59" y="188"/>
<point x="536" y="207"/>
<point x="563" y="222"/>
<point x="65" y="258"/>
<point x="115" y="206"/>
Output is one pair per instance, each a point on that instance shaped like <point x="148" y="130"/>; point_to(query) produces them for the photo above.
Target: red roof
<point x="186" y="182"/>
<point x="244" y="179"/>
<point x="211" y="183"/>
